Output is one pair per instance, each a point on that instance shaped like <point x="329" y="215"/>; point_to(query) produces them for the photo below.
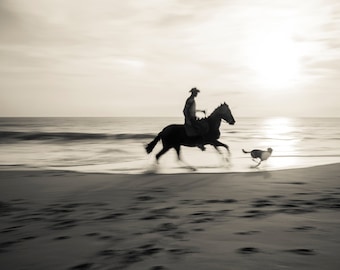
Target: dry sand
<point x="258" y="220"/>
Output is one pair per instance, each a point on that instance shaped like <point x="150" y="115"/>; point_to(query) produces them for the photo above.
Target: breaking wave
<point x="15" y="136"/>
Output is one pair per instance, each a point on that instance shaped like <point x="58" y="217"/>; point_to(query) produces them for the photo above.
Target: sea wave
<point x="16" y="136"/>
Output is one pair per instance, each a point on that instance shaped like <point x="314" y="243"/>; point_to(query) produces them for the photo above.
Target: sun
<point x="274" y="58"/>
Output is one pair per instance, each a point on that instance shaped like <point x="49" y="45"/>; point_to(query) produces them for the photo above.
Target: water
<point x="116" y="145"/>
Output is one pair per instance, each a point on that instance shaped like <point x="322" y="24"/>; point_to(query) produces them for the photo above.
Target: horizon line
<point x="135" y="116"/>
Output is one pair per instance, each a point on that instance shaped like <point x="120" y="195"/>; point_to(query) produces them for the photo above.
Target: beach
<point x="284" y="219"/>
<point x="169" y="135"/>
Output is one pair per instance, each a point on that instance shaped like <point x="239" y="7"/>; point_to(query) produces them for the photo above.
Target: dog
<point x="259" y="154"/>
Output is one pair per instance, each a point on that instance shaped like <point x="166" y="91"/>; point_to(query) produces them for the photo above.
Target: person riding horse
<point x="191" y="125"/>
<point x="174" y="136"/>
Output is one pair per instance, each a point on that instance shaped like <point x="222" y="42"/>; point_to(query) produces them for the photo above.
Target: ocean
<point x="116" y="145"/>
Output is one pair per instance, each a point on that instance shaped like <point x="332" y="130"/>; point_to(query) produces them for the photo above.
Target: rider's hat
<point x="194" y="90"/>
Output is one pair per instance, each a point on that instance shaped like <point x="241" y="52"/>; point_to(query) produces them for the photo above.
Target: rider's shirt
<point x="190" y="108"/>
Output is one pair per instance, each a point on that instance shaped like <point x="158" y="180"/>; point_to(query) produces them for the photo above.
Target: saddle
<point x="198" y="127"/>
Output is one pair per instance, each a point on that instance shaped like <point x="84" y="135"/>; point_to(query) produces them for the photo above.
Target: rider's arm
<point x="202" y="111"/>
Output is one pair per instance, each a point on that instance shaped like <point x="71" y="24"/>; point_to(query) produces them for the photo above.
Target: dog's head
<point x="270" y="150"/>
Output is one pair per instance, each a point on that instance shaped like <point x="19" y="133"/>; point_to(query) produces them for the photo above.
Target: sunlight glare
<point x="278" y="127"/>
<point x="280" y="133"/>
<point x="274" y="58"/>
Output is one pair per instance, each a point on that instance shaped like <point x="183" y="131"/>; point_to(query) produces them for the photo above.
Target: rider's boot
<point x="201" y="145"/>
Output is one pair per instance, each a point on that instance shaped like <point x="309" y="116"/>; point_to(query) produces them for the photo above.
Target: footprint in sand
<point x="83" y="266"/>
<point x="255" y="214"/>
<point x="262" y="203"/>
<point x="180" y="251"/>
<point x="111" y="216"/>
<point x="207" y="216"/>
<point x="275" y="196"/>
<point x="125" y="258"/>
<point x="6" y="209"/>
<point x="248" y="233"/>
<point x="221" y="201"/>
<point x="64" y="237"/>
<point x="166" y="227"/>
<point x="145" y="198"/>
<point x="107" y="253"/>
<point x="328" y="202"/>
<point x="302" y="251"/>
<point x="303" y="228"/>
<point x="248" y="250"/>
<point x="158" y="267"/>
<point x="159" y="213"/>
<point x="7" y="244"/>
<point x="11" y="229"/>
<point x="295" y="210"/>
<point x="170" y="230"/>
<point x="64" y="224"/>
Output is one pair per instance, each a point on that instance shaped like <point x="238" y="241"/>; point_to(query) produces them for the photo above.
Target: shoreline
<point x="176" y="169"/>
<point x="284" y="219"/>
<point x="19" y="167"/>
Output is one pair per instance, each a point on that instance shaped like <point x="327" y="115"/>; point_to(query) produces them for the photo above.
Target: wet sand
<point x="252" y="220"/>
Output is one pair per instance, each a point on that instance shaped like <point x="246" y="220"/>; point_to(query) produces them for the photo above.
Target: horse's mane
<point x="212" y="114"/>
<point x="215" y="111"/>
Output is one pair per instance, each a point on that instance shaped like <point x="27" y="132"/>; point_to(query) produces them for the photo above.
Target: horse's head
<point x="226" y="114"/>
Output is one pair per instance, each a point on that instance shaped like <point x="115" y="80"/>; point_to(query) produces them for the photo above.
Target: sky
<point x="264" y="58"/>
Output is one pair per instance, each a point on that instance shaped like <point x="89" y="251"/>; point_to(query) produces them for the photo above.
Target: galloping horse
<point x="173" y="136"/>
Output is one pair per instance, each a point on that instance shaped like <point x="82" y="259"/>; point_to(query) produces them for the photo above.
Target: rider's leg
<point x="178" y="151"/>
<point x="201" y="146"/>
<point x="202" y="139"/>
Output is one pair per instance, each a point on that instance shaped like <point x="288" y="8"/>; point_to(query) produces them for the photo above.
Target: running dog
<point x="259" y="154"/>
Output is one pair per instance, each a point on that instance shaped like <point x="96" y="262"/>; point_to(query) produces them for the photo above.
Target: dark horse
<point x="173" y="136"/>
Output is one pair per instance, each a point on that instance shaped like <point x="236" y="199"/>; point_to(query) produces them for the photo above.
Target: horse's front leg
<point x="178" y="151"/>
<point x="217" y="144"/>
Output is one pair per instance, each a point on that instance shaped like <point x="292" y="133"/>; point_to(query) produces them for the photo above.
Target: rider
<point x="189" y="111"/>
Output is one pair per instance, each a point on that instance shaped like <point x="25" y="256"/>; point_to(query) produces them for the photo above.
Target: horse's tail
<point x="149" y="147"/>
<point x="244" y="151"/>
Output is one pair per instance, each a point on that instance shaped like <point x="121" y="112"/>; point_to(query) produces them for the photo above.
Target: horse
<point x="173" y="136"/>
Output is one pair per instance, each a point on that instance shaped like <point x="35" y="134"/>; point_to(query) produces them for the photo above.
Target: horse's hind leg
<point x="162" y="152"/>
<point x="178" y="151"/>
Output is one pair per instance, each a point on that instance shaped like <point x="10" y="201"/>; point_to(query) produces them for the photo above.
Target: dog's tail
<point x="244" y="151"/>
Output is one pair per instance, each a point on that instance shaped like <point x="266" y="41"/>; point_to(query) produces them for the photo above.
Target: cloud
<point x="154" y="47"/>
<point x="329" y="67"/>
